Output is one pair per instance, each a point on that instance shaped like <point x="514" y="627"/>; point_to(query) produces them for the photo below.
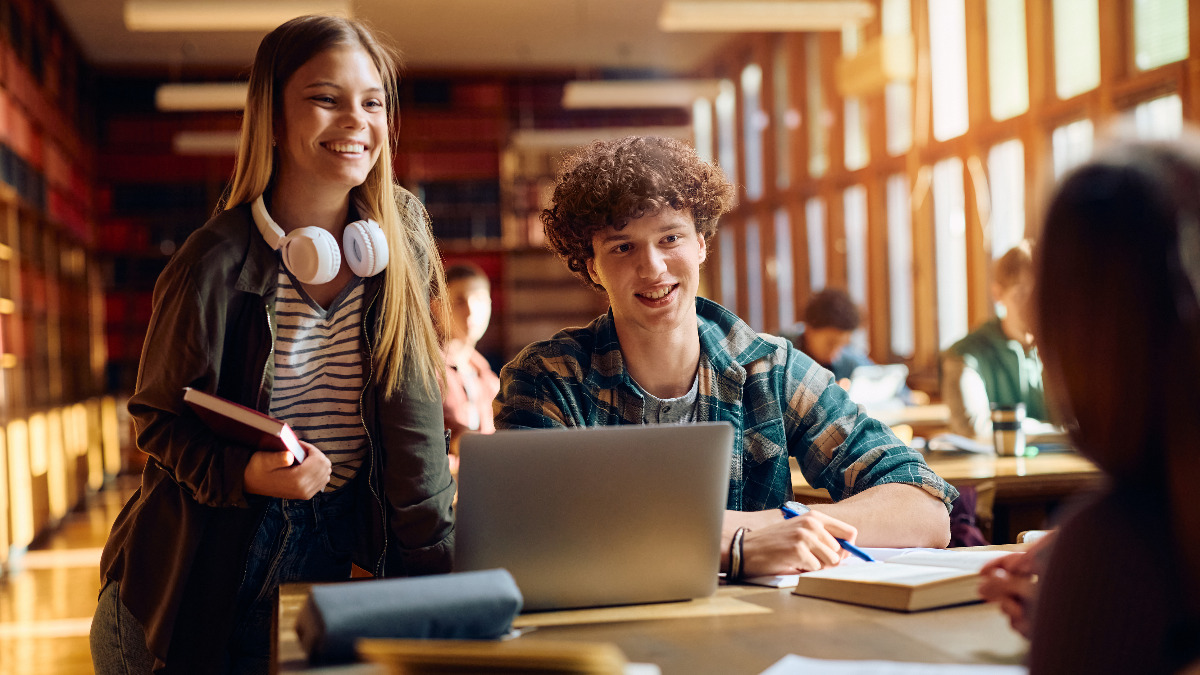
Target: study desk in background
<point x="1027" y="489"/>
<point x="741" y="629"/>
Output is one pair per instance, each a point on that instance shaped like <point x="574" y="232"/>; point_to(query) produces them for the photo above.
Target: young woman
<point x="308" y="298"/>
<point x="1118" y="317"/>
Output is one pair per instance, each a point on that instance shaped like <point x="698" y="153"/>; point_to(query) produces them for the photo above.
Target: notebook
<point x="596" y="516"/>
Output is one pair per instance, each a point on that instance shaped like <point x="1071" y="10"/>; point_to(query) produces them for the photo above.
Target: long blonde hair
<point x="406" y="340"/>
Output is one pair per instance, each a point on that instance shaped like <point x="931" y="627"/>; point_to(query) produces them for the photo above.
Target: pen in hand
<point x="857" y="552"/>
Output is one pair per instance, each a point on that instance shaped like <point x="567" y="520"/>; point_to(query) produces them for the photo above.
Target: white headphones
<point x="312" y="254"/>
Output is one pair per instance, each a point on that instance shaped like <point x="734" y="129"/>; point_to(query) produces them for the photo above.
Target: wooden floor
<point x="46" y="606"/>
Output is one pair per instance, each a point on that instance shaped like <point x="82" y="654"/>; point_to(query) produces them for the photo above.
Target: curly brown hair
<point x="609" y="183"/>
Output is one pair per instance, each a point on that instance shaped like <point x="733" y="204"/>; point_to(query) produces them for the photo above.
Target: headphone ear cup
<point x="365" y="247"/>
<point x="312" y="254"/>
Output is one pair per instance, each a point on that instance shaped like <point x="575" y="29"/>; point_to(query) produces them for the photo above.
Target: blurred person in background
<point x="471" y="385"/>
<point x="998" y="362"/>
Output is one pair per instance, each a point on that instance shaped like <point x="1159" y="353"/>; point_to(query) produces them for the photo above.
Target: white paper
<point x="802" y="665"/>
<point x="939" y="557"/>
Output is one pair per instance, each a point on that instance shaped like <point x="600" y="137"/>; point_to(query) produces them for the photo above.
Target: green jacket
<point x="179" y="546"/>
<point x="1009" y="373"/>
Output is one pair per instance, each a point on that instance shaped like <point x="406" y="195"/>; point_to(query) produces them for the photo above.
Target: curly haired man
<point x="632" y="218"/>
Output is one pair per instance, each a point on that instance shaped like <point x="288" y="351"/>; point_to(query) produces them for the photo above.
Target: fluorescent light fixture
<point x="637" y="93"/>
<point x="762" y="15"/>
<point x="201" y="96"/>
<point x="222" y="15"/>
<point x="205" y="142"/>
<point x="557" y="139"/>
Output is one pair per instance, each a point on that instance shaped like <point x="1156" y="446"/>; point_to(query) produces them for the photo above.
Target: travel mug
<point x="1008" y="432"/>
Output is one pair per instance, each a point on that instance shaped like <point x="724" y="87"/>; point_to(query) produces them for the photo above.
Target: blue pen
<point x="789" y="512"/>
<point x="856" y="551"/>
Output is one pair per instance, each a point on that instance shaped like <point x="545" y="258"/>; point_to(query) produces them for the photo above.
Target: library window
<point x="726" y="130"/>
<point x="854" y="203"/>
<point x="1076" y="46"/>
<point x="1160" y="118"/>
<point x="754" y="276"/>
<point x="753" y="122"/>
<point x="854" y="128"/>
<point x="1071" y="145"/>
<point x="900" y="266"/>
<point x="898" y="104"/>
<point x="784" y="118"/>
<point x="1008" y="65"/>
<point x="818" y="143"/>
<point x="1160" y="32"/>
<point x="950" y="244"/>
<point x="702" y="128"/>
<point x="948" y="64"/>
<point x="814" y="227"/>
<point x="729" y="270"/>
<point x="784" y="270"/>
<point x="896" y="20"/>
<point x="1006" y="178"/>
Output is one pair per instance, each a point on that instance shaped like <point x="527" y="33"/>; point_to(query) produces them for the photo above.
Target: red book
<point x="235" y="422"/>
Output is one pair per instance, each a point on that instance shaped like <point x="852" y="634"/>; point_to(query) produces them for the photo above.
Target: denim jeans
<point x="117" y="640"/>
<point x="297" y="540"/>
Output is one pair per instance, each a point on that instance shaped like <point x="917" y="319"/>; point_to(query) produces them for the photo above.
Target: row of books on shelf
<point x="28" y="182"/>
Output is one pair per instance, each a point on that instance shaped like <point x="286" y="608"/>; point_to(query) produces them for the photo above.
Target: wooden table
<point x="748" y="629"/>
<point x="935" y="416"/>
<point x="1027" y="489"/>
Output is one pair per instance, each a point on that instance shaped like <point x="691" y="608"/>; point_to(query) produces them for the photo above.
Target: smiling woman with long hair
<point x="306" y="297"/>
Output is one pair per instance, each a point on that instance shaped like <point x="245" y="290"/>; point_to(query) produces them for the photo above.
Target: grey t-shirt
<point x="671" y="410"/>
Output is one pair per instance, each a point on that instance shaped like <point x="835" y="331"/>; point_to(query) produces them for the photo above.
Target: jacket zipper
<point x="379" y="564"/>
<point x="262" y="383"/>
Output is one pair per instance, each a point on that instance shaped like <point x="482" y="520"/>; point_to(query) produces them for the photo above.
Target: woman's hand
<point x="802" y="544"/>
<point x="272" y="473"/>
<point x="1011" y="582"/>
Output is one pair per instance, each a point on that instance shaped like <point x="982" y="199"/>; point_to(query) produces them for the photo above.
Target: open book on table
<point x="903" y="579"/>
<point x="237" y="423"/>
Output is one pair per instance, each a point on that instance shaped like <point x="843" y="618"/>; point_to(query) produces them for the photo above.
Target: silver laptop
<point x="596" y="516"/>
<point x="879" y="387"/>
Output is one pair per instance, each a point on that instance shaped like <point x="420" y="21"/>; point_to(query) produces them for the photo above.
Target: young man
<point x="632" y="218"/>
<point x="830" y="319"/>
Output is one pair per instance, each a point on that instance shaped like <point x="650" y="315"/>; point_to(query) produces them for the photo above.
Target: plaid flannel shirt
<point x="779" y="401"/>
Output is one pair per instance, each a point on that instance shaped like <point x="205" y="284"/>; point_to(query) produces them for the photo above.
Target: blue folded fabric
<point x="466" y="605"/>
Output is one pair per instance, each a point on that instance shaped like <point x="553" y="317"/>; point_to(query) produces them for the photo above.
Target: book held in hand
<point x="235" y="422"/>
<point x="911" y="581"/>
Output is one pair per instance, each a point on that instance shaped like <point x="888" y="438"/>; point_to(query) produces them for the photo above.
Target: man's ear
<point x="703" y="247"/>
<point x="591" y="268"/>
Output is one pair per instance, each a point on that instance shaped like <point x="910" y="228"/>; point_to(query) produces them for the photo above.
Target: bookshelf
<point x="58" y="429"/>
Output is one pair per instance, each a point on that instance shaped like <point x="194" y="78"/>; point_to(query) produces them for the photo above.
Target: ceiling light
<point x="637" y="93"/>
<point x="763" y="15"/>
<point x="205" y="142"/>
<point x="201" y="96"/>
<point x="218" y="15"/>
<point x="557" y="139"/>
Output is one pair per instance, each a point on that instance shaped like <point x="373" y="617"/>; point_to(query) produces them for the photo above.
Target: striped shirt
<point x="780" y="402"/>
<point x="319" y="373"/>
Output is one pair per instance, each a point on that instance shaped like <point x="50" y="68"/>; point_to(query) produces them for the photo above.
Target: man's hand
<point x="271" y="473"/>
<point x="802" y="544"/>
<point x="1011" y="582"/>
